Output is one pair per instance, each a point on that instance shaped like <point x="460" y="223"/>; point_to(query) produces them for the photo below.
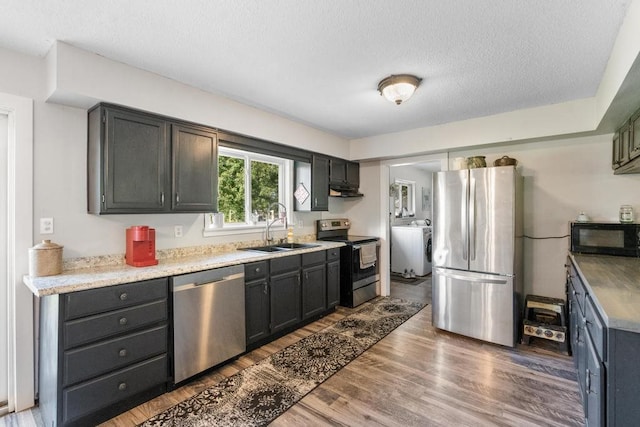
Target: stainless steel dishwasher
<point x="208" y="319"/>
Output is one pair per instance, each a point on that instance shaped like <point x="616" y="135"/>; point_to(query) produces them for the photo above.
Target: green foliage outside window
<point x="232" y="192"/>
<point x="231" y="188"/>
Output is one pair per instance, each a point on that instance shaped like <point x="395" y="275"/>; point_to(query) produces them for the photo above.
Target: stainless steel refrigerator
<point x="477" y="253"/>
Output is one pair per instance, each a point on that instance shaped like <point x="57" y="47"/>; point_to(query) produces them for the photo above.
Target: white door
<point x="4" y="283"/>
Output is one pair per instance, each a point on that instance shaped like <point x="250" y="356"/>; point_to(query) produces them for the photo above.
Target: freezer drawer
<point x="477" y="305"/>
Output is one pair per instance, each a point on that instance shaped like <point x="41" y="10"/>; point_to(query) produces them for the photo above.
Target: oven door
<point x="363" y="276"/>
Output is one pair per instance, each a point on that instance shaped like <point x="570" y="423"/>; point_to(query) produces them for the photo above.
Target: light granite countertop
<point x="614" y="284"/>
<point x="101" y="276"/>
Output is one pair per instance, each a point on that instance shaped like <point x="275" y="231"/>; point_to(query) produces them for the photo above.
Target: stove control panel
<point x="333" y="224"/>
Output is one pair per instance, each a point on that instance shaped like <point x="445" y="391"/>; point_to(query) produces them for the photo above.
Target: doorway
<point x="410" y="213"/>
<point x="17" y="369"/>
<point x="4" y="282"/>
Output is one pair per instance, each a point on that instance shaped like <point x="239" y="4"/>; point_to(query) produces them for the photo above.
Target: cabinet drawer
<point x="88" y="329"/>
<point x="314" y="258"/>
<point x="288" y="263"/>
<point x="97" y="359"/>
<point x="91" y="396"/>
<point x="93" y="301"/>
<point x="333" y="254"/>
<point x="578" y="288"/>
<point x="594" y="326"/>
<point x="256" y="270"/>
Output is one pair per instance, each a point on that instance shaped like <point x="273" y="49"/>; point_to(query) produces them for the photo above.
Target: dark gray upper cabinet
<point x="337" y="172"/>
<point x="143" y="163"/>
<point x="319" y="183"/>
<point x="195" y="171"/>
<point x="344" y="174"/>
<point x="634" y="146"/>
<point x="626" y="146"/>
<point x="128" y="161"/>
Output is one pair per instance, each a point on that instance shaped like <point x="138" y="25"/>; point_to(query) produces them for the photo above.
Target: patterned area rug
<point x="258" y="394"/>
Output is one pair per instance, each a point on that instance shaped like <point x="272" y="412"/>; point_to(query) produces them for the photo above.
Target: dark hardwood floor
<point x="416" y="376"/>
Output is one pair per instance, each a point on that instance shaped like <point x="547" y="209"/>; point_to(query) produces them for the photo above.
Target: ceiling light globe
<point x="398" y="88"/>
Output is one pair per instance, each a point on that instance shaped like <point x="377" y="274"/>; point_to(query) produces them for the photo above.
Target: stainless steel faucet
<point x="268" y="239"/>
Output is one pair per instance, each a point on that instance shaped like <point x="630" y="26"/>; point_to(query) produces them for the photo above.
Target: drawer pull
<point x="122" y="386"/>
<point x="257" y="269"/>
<point x="123" y="296"/>
<point x="122" y="352"/>
<point x="123" y="321"/>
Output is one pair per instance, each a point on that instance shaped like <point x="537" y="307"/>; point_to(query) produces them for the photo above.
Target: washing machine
<point x="411" y="249"/>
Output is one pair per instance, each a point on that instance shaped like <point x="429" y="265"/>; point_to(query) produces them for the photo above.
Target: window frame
<point x="411" y="197"/>
<point x="285" y="173"/>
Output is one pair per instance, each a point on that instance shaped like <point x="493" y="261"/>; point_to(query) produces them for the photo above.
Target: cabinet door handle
<point x="122" y="386"/>
<point x="306" y="276"/>
<point x="162" y="198"/>
<point x="123" y="321"/>
<point x="123" y="296"/>
<point x="122" y="352"/>
<point x="588" y="381"/>
<point x="264" y="288"/>
<point x="177" y="199"/>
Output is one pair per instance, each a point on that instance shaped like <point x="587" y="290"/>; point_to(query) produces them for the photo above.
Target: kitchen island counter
<point x="614" y="284"/>
<point x="102" y="276"/>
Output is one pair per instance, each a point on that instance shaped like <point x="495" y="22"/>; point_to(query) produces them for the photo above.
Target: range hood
<point x="344" y="192"/>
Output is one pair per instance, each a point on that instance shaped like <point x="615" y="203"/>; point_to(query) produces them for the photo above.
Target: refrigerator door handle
<point x="464" y="220"/>
<point x="471" y="278"/>
<point x="472" y="219"/>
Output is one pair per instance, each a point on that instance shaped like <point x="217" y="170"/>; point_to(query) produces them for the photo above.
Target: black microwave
<point x="605" y="238"/>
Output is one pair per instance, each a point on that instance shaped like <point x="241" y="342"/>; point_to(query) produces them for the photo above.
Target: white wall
<point x="60" y="139"/>
<point x="562" y="178"/>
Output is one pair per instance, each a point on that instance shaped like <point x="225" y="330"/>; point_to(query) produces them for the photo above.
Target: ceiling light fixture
<point x="399" y="87"/>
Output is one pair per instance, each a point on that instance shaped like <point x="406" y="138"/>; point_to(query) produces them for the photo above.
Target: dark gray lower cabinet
<point x="286" y="292"/>
<point x="103" y="351"/>
<point x="333" y="277"/>
<point x="314" y="284"/>
<point x="257" y="301"/>
<point x="605" y="359"/>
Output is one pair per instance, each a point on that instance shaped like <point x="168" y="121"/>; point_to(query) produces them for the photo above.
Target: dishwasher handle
<point x="208" y="277"/>
<point x="186" y="286"/>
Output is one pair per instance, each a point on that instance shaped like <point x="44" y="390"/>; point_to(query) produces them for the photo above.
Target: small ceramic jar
<point x="45" y="259"/>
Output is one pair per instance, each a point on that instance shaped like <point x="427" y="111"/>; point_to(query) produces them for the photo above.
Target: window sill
<point x="229" y="230"/>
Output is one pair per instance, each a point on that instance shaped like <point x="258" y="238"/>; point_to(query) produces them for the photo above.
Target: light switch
<point x="46" y="225"/>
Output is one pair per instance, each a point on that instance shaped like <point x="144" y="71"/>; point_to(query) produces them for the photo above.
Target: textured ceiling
<point x="319" y="61"/>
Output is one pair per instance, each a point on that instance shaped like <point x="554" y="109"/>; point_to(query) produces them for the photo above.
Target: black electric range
<point x="359" y="271"/>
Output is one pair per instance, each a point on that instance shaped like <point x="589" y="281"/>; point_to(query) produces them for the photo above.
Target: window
<point x="405" y="196"/>
<point x="248" y="183"/>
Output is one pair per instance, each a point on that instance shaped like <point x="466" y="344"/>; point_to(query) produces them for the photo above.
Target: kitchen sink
<point x="265" y="249"/>
<point x="295" y="245"/>
<point x="280" y="247"/>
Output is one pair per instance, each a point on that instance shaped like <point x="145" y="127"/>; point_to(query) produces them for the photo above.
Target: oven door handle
<point x="356" y="247"/>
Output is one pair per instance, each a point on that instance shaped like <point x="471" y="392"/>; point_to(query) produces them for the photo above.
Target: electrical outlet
<point x="46" y="225"/>
<point x="177" y="231"/>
